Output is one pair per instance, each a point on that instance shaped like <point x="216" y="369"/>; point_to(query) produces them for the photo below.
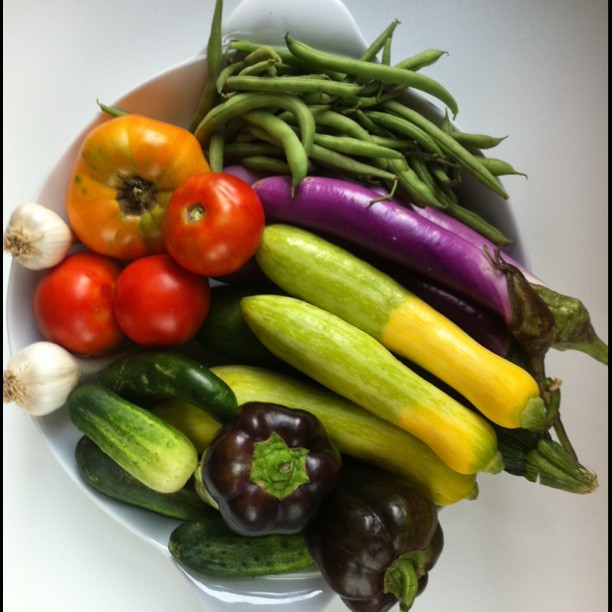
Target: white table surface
<point x="534" y="70"/>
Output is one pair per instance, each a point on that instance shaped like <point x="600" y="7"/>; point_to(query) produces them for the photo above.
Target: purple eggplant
<point x="537" y="316"/>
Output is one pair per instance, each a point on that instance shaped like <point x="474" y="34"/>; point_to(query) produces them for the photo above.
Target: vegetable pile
<point x="283" y="327"/>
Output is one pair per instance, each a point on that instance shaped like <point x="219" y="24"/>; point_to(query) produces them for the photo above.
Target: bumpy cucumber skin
<point x="211" y="548"/>
<point x="106" y="476"/>
<point x="151" y="450"/>
<point x="150" y="376"/>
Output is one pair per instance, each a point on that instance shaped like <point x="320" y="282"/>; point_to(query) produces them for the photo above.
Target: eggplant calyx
<point x="277" y="468"/>
<point x="403" y="575"/>
<point x="573" y="327"/>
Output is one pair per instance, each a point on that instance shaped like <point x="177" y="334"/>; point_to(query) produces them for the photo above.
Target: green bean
<point x="421" y="169"/>
<point x="499" y="167"/>
<point x="442" y="176"/>
<point x="476" y="141"/>
<point x="286" y="56"/>
<point x="266" y="164"/>
<point x="476" y="222"/>
<point x="240" y="103"/>
<point x="291" y="85"/>
<point x="214" y="59"/>
<point x="250" y="149"/>
<point x="468" y="161"/>
<point x="113" y="111"/>
<point x="355" y="146"/>
<point x="262" y="53"/>
<point x="378" y="44"/>
<point x="421" y="60"/>
<point x="266" y="65"/>
<point x="419" y="192"/>
<point x="386" y="56"/>
<point x="296" y="155"/>
<point x="344" y="163"/>
<point x="407" y="128"/>
<point x="226" y="72"/>
<point x="370" y="70"/>
<point x="215" y="151"/>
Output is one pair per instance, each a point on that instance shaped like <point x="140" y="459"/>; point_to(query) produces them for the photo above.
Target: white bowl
<point x="489" y="544"/>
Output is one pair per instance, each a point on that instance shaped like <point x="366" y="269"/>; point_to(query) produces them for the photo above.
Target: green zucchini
<point x="355" y="431"/>
<point x="106" y="476"/>
<point x="152" y="375"/>
<point x="148" y="448"/>
<point x="352" y="363"/>
<point x="226" y="334"/>
<point x="210" y="547"/>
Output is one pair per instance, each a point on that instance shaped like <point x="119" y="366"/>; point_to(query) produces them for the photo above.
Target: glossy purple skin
<point x="391" y="230"/>
<point x="443" y="219"/>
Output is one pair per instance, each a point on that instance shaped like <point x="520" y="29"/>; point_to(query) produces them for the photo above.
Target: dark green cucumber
<point x="150" y="449"/>
<point x="106" y="476"/>
<point x="226" y="334"/>
<point x="211" y="548"/>
<point x="152" y="375"/>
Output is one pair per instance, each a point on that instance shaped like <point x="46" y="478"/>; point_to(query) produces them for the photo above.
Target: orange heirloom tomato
<point x="123" y="179"/>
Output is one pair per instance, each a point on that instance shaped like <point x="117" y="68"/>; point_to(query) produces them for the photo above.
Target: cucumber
<point x="210" y="547"/>
<point x="106" y="476"/>
<point x="225" y="332"/>
<point x="355" y="431"/>
<point x="148" y="448"/>
<point x="152" y="375"/>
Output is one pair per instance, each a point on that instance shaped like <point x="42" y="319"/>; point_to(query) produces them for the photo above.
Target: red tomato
<point x="159" y="303"/>
<point x="73" y="304"/>
<point x="213" y="224"/>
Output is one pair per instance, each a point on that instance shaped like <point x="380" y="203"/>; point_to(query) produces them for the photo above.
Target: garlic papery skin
<point x="37" y="237"/>
<point x="40" y="377"/>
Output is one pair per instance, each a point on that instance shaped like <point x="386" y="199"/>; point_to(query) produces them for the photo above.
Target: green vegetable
<point x="355" y="431"/>
<point x="105" y="475"/>
<point x="210" y="547"/>
<point x="350" y="362"/>
<point x="150" y="376"/>
<point x="313" y="269"/>
<point x="226" y="334"/>
<point x="148" y="448"/>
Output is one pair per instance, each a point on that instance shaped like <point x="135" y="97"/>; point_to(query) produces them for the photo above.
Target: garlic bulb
<point x="39" y="378"/>
<point x="37" y="237"/>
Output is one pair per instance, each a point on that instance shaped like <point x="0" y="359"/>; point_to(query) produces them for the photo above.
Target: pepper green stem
<point x="277" y="468"/>
<point x="550" y="465"/>
<point x="402" y="577"/>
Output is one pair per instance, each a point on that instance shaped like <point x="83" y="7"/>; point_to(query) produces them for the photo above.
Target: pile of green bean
<point x="299" y="111"/>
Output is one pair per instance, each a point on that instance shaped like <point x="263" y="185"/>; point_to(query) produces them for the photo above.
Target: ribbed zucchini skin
<point x="355" y="431"/>
<point x="210" y="547"/>
<point x="153" y="375"/>
<point x="106" y="476"/>
<point x="151" y="450"/>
